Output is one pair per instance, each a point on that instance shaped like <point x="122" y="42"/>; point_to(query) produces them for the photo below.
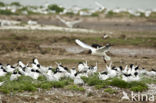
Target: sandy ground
<point x="51" y="46"/>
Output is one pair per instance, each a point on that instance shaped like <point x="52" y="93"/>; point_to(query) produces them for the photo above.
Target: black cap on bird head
<point x="121" y="68"/>
<point x="131" y="65"/>
<point x="96" y="46"/>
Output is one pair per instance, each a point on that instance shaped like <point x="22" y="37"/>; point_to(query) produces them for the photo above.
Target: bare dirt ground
<point x="52" y="46"/>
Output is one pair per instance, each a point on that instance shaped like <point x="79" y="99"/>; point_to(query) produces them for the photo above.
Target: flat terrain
<point x="133" y="41"/>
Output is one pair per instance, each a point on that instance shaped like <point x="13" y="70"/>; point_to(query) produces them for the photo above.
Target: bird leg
<point x="104" y="60"/>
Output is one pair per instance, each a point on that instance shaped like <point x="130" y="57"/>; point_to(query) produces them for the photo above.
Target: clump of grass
<point x="118" y="83"/>
<point x="75" y="88"/>
<point x="136" y="86"/>
<point x="110" y="90"/>
<point x="95" y="81"/>
<point x="25" y="83"/>
<point x="22" y="84"/>
<point x="92" y="80"/>
<point x="42" y="78"/>
<point x="59" y="84"/>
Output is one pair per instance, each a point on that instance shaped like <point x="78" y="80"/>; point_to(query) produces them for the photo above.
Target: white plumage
<point x="99" y="51"/>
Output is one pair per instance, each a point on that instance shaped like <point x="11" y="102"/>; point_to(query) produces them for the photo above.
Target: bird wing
<point x="98" y="4"/>
<point x="104" y="49"/>
<point x="124" y="93"/>
<point x="61" y="19"/>
<point x="83" y="45"/>
<point x="75" y="22"/>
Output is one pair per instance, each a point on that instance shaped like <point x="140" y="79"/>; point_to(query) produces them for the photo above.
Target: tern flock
<point x="35" y="69"/>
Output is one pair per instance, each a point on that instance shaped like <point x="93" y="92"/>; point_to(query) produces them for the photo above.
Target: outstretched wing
<point x="98" y="4"/>
<point x="83" y="45"/>
<point x="76" y="22"/>
<point x="61" y="19"/>
<point x="104" y="48"/>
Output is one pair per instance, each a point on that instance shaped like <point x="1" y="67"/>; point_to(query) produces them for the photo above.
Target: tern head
<point x="32" y="70"/>
<point x="131" y="65"/>
<point x="114" y="68"/>
<point x="4" y="70"/>
<point x="80" y="63"/>
<point x="20" y="73"/>
<point x="73" y="68"/>
<point x="105" y="73"/>
<point x="35" y="61"/>
<point x="121" y="68"/>
<point x="15" y="72"/>
<point x="137" y="68"/>
<point x="37" y="71"/>
<point x="136" y="73"/>
<point x="96" y="45"/>
<point x="127" y="75"/>
<point x="66" y="68"/>
<point x="38" y="65"/>
<point x="50" y="68"/>
<point x="153" y="70"/>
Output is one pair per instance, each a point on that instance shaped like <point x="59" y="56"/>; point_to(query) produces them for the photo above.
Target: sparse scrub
<point x="6" y="12"/>
<point x="149" y="80"/>
<point x="15" y="4"/>
<point x="95" y="14"/>
<point x="55" y="8"/>
<point x="70" y="13"/>
<point x="2" y="4"/>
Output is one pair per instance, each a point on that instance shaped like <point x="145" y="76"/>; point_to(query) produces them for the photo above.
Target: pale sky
<point x="134" y="4"/>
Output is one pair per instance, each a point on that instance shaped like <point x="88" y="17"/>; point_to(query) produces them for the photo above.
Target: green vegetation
<point x="112" y="14"/>
<point x="75" y="88"/>
<point x="25" y="83"/>
<point x="55" y="8"/>
<point x="15" y="4"/>
<point x="116" y="82"/>
<point x="110" y="90"/>
<point x="92" y="80"/>
<point x="2" y="4"/>
<point x="70" y="13"/>
<point x="142" y="14"/>
<point x="95" y="14"/>
<point x="149" y="80"/>
<point x="139" y="41"/>
<point x="5" y="12"/>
